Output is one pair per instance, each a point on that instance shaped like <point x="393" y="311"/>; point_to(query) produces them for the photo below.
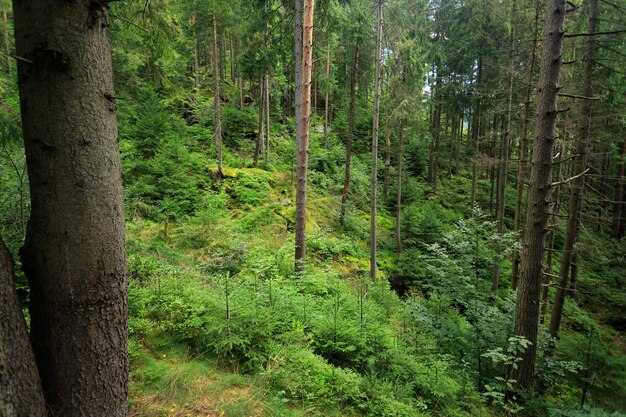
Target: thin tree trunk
<point x="7" y="48"/>
<point x="240" y="81"/>
<point x="267" y="117"/>
<point x="351" y="115"/>
<point x="303" y="142"/>
<point x="74" y="255"/>
<point x="476" y="134"/>
<point x="523" y="149"/>
<point x="222" y="55"/>
<point x="577" y="184"/>
<point x="327" y="95"/>
<point x="527" y="310"/>
<point x="196" y="52"/>
<point x="399" y="191"/>
<point x="20" y="387"/>
<point x="298" y="73"/>
<point x="259" y="139"/>
<point x="386" y="178"/>
<point x="619" y="207"/>
<point x="216" y="102"/>
<point x="232" y="60"/>
<point x="504" y="152"/>
<point x="556" y="211"/>
<point x="374" y="191"/>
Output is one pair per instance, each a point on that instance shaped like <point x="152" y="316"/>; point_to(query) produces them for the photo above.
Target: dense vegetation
<point x="220" y="322"/>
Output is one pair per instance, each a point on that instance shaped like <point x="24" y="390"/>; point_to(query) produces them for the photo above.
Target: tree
<point x="216" y="101"/>
<point x="377" y="87"/>
<point x="578" y="169"/>
<point x="74" y="256"/>
<point x="20" y="386"/>
<point x="527" y="306"/>
<point x="303" y="140"/>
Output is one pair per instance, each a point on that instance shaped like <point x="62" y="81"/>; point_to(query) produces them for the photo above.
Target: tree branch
<point x="570" y="179"/>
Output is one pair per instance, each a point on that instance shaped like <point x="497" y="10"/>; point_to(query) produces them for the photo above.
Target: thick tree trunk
<point x="374" y="187"/>
<point x="216" y="102"/>
<point x="523" y="148"/>
<point x="20" y="386"/>
<point x="74" y="255"/>
<point x="527" y="307"/>
<point x="303" y="141"/>
<point x="577" y="184"/>
<point x="399" y="191"/>
<point x="351" y="115"/>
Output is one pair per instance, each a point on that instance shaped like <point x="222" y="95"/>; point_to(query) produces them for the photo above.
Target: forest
<point x="323" y="208"/>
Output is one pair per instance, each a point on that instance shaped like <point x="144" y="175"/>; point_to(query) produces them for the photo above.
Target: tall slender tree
<point x="374" y="185"/>
<point x="527" y="306"/>
<point x="216" y="101"/>
<point x="578" y="169"/>
<point x="303" y="140"/>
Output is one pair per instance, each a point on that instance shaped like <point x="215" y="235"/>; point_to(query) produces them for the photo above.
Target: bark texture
<point x="578" y="167"/>
<point x="74" y="255"/>
<point x="303" y="141"/>
<point x="527" y="310"/>
<point x="20" y="386"/>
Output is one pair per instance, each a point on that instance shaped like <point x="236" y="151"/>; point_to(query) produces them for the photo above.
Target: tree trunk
<point x="327" y="95"/>
<point x="476" y="125"/>
<point x="523" y="149"/>
<point x="216" y="101"/>
<point x="527" y="307"/>
<point x="7" y="48"/>
<point x="374" y="191"/>
<point x="619" y="208"/>
<point x="504" y="153"/>
<point x="267" y="117"/>
<point x="556" y="210"/>
<point x="303" y="142"/>
<point x="399" y="190"/>
<point x="386" y="178"/>
<point x="259" y="138"/>
<point x="74" y="255"/>
<point x="20" y="386"/>
<point x="351" y="114"/>
<point x="232" y="60"/>
<point x="577" y="184"/>
<point x="196" y="53"/>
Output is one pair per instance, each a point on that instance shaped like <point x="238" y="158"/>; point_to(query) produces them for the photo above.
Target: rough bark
<point x="351" y="115"/>
<point x="374" y="190"/>
<point x="303" y="141"/>
<point x="578" y="167"/>
<point x="20" y="386"/>
<point x="523" y="148"/>
<point x="216" y="102"/>
<point x="527" y="307"/>
<point x="74" y="255"/>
